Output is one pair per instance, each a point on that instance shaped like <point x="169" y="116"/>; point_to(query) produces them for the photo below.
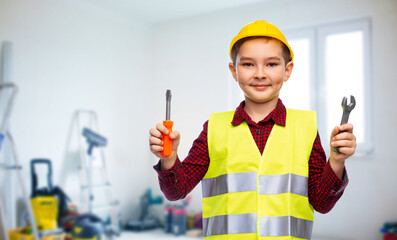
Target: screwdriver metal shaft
<point x="168" y="105"/>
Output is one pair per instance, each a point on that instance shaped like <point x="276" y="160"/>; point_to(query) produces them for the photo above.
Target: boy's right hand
<point x="156" y="145"/>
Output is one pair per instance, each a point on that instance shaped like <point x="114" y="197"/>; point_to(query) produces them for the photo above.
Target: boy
<point x="266" y="188"/>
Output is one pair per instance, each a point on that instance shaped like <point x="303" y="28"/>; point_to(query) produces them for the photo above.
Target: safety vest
<point x="247" y="195"/>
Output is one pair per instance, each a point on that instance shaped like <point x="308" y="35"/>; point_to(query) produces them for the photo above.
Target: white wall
<point x="68" y="56"/>
<point x="191" y="59"/>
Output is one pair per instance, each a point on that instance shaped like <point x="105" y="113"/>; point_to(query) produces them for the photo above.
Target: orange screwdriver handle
<point x="167" y="142"/>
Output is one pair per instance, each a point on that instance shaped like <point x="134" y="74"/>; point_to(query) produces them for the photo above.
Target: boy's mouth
<point x="260" y="86"/>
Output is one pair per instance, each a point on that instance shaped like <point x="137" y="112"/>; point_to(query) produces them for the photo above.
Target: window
<point x="332" y="61"/>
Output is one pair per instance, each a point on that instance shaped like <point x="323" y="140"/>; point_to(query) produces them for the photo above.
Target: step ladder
<point x="14" y="165"/>
<point x="94" y="178"/>
<point x="3" y="227"/>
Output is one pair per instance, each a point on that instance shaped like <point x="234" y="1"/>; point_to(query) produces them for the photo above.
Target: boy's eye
<point x="272" y="64"/>
<point x="247" y="64"/>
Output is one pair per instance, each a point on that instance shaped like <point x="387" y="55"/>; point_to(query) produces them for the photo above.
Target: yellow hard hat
<point x="260" y="28"/>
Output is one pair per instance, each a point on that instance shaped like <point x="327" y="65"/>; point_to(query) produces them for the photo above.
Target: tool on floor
<point x="44" y="202"/>
<point x="347" y="108"/>
<point x="146" y="220"/>
<point x="49" y="203"/>
<point x="95" y="181"/>
<point x="389" y="231"/>
<point x="175" y="219"/>
<point x="86" y="227"/>
<point x="167" y="142"/>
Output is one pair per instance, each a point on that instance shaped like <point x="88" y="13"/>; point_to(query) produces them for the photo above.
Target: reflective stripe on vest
<point x="246" y="181"/>
<point x="269" y="226"/>
<point x="249" y="195"/>
<point x="230" y="224"/>
<point x="276" y="184"/>
<point x="227" y="183"/>
<point x="286" y="226"/>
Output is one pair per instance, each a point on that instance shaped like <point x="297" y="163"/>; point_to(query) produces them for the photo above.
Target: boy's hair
<point x="237" y="45"/>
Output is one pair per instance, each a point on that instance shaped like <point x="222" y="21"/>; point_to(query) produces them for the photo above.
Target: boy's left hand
<point x="342" y="137"/>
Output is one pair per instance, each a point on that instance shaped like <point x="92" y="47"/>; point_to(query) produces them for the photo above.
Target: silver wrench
<point x="347" y="108"/>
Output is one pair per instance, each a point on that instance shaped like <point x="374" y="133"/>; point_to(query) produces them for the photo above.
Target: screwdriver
<point x="167" y="142"/>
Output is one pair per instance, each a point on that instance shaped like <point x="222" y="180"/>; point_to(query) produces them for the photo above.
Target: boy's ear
<point x="288" y="70"/>
<point x="233" y="70"/>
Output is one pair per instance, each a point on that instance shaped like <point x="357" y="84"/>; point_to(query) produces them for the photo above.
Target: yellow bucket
<point x="23" y="234"/>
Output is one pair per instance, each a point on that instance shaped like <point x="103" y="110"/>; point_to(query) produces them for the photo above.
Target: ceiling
<point x="153" y="11"/>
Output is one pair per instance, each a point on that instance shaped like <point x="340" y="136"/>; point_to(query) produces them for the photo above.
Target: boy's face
<point x="260" y="69"/>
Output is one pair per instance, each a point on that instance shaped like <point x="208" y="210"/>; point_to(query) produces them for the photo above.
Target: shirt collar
<point x="278" y="115"/>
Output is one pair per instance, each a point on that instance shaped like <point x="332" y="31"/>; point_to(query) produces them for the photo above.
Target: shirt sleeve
<point x="177" y="182"/>
<point x="325" y="188"/>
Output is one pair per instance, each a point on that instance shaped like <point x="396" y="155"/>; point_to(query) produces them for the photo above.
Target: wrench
<point x="347" y="108"/>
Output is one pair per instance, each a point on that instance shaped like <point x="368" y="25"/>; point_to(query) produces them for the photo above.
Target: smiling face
<point x="260" y="69"/>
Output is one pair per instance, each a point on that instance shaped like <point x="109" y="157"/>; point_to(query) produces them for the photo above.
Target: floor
<point x="157" y="234"/>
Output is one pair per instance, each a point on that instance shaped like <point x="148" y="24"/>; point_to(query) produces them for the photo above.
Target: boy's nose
<point x="260" y="73"/>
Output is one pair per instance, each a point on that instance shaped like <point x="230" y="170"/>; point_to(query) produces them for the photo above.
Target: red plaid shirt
<point x="325" y="188"/>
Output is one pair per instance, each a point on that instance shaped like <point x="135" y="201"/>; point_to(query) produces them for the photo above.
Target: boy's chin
<point x="261" y="100"/>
